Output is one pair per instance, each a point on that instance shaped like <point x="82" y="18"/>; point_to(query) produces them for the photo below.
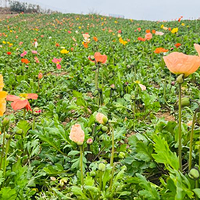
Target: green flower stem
<point x="2" y="148"/>
<point x="24" y="113"/>
<point x="97" y="83"/>
<point x="97" y="77"/>
<point x="100" y="179"/>
<point x="6" y="154"/>
<point x="179" y="131"/>
<point x="111" y="180"/>
<point x="38" y="85"/>
<point x="81" y="163"/>
<point x="33" y="124"/>
<point x="191" y="139"/>
<point x="113" y="150"/>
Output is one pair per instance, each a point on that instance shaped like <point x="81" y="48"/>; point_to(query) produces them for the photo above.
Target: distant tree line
<point x="17" y="6"/>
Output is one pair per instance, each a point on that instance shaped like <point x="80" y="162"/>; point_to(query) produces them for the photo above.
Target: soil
<point x="167" y="116"/>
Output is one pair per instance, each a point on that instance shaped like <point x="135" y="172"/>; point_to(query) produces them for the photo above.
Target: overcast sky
<point x="134" y="9"/>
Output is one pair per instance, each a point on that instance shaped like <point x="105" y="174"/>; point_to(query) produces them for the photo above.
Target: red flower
<point x="21" y="101"/>
<point x="177" y="45"/>
<point x="148" y="31"/>
<point x="98" y="58"/>
<point x="24" y="60"/>
<point x="95" y="39"/>
<point x="160" y="50"/>
<point x="119" y="31"/>
<point x="141" y="39"/>
<point x="9" y="53"/>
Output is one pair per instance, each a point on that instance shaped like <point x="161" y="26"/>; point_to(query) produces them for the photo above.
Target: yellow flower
<point x="3" y="95"/>
<point x="183" y="24"/>
<point x="174" y="30"/>
<point x="138" y="82"/>
<point x="162" y="26"/>
<point x="4" y="42"/>
<point x="79" y="27"/>
<point x="64" y="51"/>
<point x="116" y="22"/>
<point x="122" y="41"/>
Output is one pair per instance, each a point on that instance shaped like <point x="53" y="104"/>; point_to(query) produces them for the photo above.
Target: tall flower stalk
<point x="179" y="124"/>
<point x="183" y="65"/>
<point x="98" y="59"/>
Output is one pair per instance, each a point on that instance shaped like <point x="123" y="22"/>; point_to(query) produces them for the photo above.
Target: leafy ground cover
<point x="93" y="112"/>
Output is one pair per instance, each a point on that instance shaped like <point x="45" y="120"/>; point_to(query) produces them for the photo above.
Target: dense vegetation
<point x="54" y="57"/>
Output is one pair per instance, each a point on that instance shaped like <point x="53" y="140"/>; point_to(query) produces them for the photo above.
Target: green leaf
<point x="8" y="193"/>
<point x="73" y="153"/>
<point x="197" y="192"/>
<point x="77" y="191"/>
<point x="164" y="154"/>
<point x="25" y="126"/>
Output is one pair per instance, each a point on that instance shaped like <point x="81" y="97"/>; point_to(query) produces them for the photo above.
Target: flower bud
<point x="179" y="79"/>
<point x="194" y="173"/>
<point x="102" y="167"/>
<point x="40" y="75"/>
<point x="92" y="173"/>
<point x="185" y="101"/>
<point x="104" y="128"/>
<point x="121" y="155"/>
<point x="101" y="118"/>
<point x="36" y="111"/>
<point x="89" y="141"/>
<point x="5" y="121"/>
<point x="8" y="136"/>
<point x="19" y="131"/>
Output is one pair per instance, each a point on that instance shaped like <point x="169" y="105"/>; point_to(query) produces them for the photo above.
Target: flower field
<point x="95" y="107"/>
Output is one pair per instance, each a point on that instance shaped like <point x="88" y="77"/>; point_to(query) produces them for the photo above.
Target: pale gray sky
<point x="134" y="9"/>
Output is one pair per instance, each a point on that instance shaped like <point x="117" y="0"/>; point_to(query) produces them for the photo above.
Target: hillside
<point x="96" y="107"/>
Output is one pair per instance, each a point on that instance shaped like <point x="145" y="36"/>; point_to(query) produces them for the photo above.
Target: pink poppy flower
<point x="23" y="54"/>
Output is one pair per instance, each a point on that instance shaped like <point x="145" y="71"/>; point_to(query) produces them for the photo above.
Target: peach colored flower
<point x="179" y="63"/>
<point x="143" y="87"/>
<point x="101" y="118"/>
<point x="159" y="33"/>
<point x="148" y="36"/>
<point x="77" y="135"/>
<point x="189" y="123"/>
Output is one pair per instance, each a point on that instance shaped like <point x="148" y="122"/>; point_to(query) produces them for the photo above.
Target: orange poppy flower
<point x="177" y="45"/>
<point x="179" y="63"/>
<point x="21" y="101"/>
<point x="148" y="36"/>
<point x="98" y="58"/>
<point x="160" y="50"/>
<point x="148" y="31"/>
<point x="95" y="39"/>
<point x="169" y="29"/>
<point x="141" y="39"/>
<point x="24" y="60"/>
<point x="139" y="29"/>
<point x="153" y="31"/>
<point x="85" y="44"/>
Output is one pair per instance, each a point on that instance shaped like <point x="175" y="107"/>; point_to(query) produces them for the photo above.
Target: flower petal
<point x="12" y="98"/>
<point x="19" y="104"/>
<point x="32" y="96"/>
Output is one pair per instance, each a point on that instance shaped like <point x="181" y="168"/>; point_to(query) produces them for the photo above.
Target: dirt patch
<point x="166" y="115"/>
